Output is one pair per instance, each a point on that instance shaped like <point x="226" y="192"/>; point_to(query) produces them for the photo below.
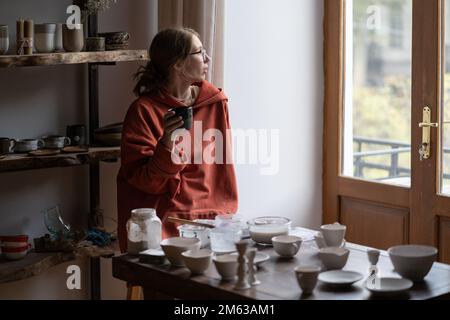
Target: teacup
<point x="334" y="258"/>
<point x="186" y="113"/>
<point x="6" y="145"/>
<point x="227" y="266"/>
<point x="333" y="234"/>
<point x="56" y="142"/>
<point x="307" y="278"/>
<point x="28" y="145"/>
<point x="286" y="246"/>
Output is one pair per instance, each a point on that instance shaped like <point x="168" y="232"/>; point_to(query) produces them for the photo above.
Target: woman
<point x="149" y="177"/>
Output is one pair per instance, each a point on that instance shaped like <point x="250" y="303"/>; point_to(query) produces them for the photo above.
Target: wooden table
<point x="277" y="277"/>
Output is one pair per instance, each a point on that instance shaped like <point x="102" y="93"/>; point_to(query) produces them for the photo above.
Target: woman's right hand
<point x="171" y="123"/>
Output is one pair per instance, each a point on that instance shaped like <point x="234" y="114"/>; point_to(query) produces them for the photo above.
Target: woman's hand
<point x="171" y="124"/>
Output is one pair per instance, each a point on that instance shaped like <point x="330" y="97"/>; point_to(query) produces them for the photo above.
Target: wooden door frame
<point x="334" y="185"/>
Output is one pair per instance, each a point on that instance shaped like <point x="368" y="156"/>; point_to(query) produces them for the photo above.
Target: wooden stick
<point x="178" y="220"/>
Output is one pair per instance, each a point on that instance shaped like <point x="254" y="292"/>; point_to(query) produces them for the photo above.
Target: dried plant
<point x="96" y="6"/>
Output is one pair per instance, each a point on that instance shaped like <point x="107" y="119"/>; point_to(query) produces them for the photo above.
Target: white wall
<point x="274" y="80"/>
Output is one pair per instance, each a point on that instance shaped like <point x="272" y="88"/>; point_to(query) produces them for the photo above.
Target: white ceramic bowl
<point x="286" y="246"/>
<point x="227" y="266"/>
<point x="198" y="261"/>
<point x="334" y="258"/>
<point x="413" y="261"/>
<point x="263" y="229"/>
<point x="173" y="247"/>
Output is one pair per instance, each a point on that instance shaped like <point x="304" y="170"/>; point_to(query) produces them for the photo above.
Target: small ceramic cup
<point x="73" y="39"/>
<point x="28" y="145"/>
<point x="333" y="234"/>
<point x="227" y="266"/>
<point x="6" y="145"/>
<point x="56" y="142"/>
<point x="44" y="37"/>
<point x="286" y="246"/>
<point x="307" y="278"/>
<point x="186" y="113"/>
<point x="95" y="44"/>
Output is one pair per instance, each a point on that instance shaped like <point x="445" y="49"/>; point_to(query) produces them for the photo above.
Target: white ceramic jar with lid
<point x="144" y="230"/>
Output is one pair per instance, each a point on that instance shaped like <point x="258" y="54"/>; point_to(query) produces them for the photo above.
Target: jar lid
<point x="143" y="213"/>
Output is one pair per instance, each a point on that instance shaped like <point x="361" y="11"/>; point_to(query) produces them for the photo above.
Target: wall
<point x="274" y="80"/>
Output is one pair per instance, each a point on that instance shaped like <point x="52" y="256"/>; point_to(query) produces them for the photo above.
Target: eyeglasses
<point x="202" y="52"/>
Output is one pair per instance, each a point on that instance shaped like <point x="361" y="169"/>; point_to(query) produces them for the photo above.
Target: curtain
<point x="207" y="18"/>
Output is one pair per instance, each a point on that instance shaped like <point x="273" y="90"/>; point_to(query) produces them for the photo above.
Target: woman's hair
<point x="167" y="48"/>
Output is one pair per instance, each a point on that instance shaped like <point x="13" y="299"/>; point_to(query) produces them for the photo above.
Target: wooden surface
<point x="33" y="264"/>
<point x="277" y="277"/>
<point x="333" y="68"/>
<point x="49" y="59"/>
<point x="21" y="162"/>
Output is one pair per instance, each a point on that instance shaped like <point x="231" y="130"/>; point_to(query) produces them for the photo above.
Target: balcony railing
<point x="362" y="159"/>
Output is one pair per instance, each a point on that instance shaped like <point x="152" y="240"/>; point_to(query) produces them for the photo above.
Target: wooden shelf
<point x="61" y="58"/>
<point x="32" y="265"/>
<point x="36" y="263"/>
<point x="22" y="162"/>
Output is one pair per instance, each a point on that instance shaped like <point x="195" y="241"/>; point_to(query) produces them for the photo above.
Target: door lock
<point x="426" y="125"/>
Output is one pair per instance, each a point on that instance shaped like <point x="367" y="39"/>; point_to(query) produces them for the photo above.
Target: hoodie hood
<point x="208" y="95"/>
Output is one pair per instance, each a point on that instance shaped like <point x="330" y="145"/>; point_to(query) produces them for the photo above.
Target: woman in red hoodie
<point x="149" y="177"/>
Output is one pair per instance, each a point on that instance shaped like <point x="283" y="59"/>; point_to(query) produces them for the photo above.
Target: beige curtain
<point x="207" y="18"/>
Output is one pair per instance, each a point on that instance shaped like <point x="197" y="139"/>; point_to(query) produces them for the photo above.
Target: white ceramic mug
<point x="333" y="234"/>
<point x="307" y="278"/>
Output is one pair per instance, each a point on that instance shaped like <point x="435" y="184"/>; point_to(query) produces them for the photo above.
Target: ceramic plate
<point x="44" y="152"/>
<point x="260" y="257"/>
<point x="390" y="286"/>
<point x="340" y="277"/>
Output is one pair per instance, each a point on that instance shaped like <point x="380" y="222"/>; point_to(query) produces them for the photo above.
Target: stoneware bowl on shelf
<point x="263" y="229"/>
<point x="413" y="261"/>
<point x="173" y="247"/>
<point x="334" y="258"/>
<point x="197" y="261"/>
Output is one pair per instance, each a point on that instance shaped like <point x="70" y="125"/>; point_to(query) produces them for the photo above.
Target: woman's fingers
<point x="173" y="121"/>
<point x="173" y="126"/>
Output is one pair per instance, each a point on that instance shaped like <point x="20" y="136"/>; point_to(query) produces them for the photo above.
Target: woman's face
<point x="195" y="66"/>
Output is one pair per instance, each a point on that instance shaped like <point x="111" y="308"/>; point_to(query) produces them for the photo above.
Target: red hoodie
<point x="148" y="178"/>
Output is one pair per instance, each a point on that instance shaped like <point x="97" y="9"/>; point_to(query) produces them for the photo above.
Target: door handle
<point x="426" y="125"/>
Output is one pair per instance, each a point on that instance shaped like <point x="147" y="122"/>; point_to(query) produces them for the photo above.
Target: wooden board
<point x="60" y="58"/>
<point x="24" y="162"/>
<point x="33" y="264"/>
